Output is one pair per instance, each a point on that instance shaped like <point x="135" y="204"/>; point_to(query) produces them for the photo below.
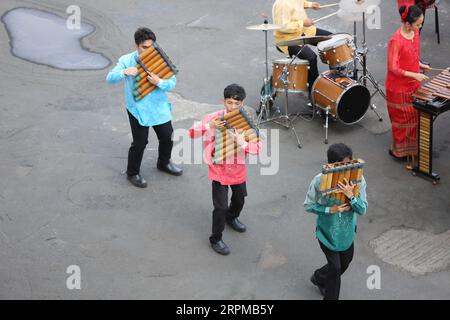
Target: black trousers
<point x="329" y="276"/>
<point x="222" y="211"/>
<point x="140" y="140"/>
<point x="308" y="54"/>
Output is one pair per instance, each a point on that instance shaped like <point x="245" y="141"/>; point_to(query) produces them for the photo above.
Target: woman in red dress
<point x="422" y="4"/>
<point x="403" y="79"/>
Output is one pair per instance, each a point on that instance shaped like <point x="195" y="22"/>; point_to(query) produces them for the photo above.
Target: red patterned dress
<point x="403" y="55"/>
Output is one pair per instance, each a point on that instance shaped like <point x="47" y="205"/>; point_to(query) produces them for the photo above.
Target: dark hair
<point x="144" y="34"/>
<point x="234" y="91"/>
<point x="338" y="152"/>
<point x="413" y="14"/>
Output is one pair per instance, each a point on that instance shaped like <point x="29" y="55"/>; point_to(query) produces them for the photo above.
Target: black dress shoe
<point x="170" y="168"/>
<point x="401" y="159"/>
<point x="221" y="248"/>
<point x="314" y="282"/>
<point x="237" y="225"/>
<point x="137" y="181"/>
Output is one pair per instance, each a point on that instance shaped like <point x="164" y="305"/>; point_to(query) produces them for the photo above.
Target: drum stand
<point x="266" y="99"/>
<point x="288" y="122"/>
<point x="327" y="114"/>
<point x="361" y="57"/>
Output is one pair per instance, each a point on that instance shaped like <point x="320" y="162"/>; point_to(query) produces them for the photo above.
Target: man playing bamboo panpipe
<point x="153" y="110"/>
<point x="229" y="172"/>
<point x="292" y="16"/>
<point x="336" y="222"/>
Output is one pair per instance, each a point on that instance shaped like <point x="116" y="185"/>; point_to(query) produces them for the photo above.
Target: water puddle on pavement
<point x="42" y="37"/>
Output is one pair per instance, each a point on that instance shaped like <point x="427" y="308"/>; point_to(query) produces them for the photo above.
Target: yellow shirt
<point x="290" y="14"/>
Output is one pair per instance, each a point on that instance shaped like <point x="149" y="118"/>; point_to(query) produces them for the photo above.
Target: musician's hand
<point x="217" y="124"/>
<point x="131" y="72"/>
<point x="240" y="137"/>
<point x="315" y="5"/>
<point x="308" y="22"/>
<point x="153" y="78"/>
<point x="347" y="188"/>
<point x="425" y="67"/>
<point x="339" y="209"/>
<point x="420" y="77"/>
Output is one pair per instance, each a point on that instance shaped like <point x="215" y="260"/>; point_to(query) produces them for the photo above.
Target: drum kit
<point x="337" y="93"/>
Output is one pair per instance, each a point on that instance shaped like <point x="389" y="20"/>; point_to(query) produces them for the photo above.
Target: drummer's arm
<point x="311" y="5"/>
<point x="282" y="16"/>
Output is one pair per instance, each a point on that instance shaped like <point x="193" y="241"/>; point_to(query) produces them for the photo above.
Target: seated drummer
<point x="291" y="15"/>
<point x="230" y="173"/>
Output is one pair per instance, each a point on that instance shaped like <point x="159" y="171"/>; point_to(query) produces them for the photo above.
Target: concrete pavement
<point x="64" y="138"/>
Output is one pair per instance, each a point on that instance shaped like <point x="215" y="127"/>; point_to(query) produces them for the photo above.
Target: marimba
<point x="430" y="100"/>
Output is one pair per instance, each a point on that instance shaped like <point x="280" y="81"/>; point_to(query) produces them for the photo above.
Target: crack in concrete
<point x="15" y="132"/>
<point x="161" y="275"/>
<point x="39" y="228"/>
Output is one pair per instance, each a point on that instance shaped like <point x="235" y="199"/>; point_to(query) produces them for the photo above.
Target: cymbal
<point x="357" y="6"/>
<point x="264" y="27"/>
<point x="303" y="41"/>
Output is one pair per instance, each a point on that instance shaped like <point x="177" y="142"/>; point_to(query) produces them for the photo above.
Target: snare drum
<point x="338" y="51"/>
<point x="346" y="99"/>
<point x="297" y="75"/>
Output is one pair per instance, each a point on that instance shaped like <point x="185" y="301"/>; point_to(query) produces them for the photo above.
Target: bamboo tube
<point x="347" y="174"/>
<point x="149" y="90"/>
<point x="237" y="122"/>
<point x="147" y="84"/>
<point x="150" y="66"/>
<point x="323" y="179"/>
<point x="147" y="52"/>
<point x="330" y="178"/>
<point x="157" y="72"/>
<point x="231" y="114"/>
<point x="151" y="58"/>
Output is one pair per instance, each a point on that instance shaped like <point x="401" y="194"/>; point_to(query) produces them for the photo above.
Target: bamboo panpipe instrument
<point x="153" y="60"/>
<point x="225" y="144"/>
<point x="334" y="173"/>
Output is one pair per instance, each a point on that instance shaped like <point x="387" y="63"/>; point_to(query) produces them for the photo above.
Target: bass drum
<point x="345" y="99"/>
